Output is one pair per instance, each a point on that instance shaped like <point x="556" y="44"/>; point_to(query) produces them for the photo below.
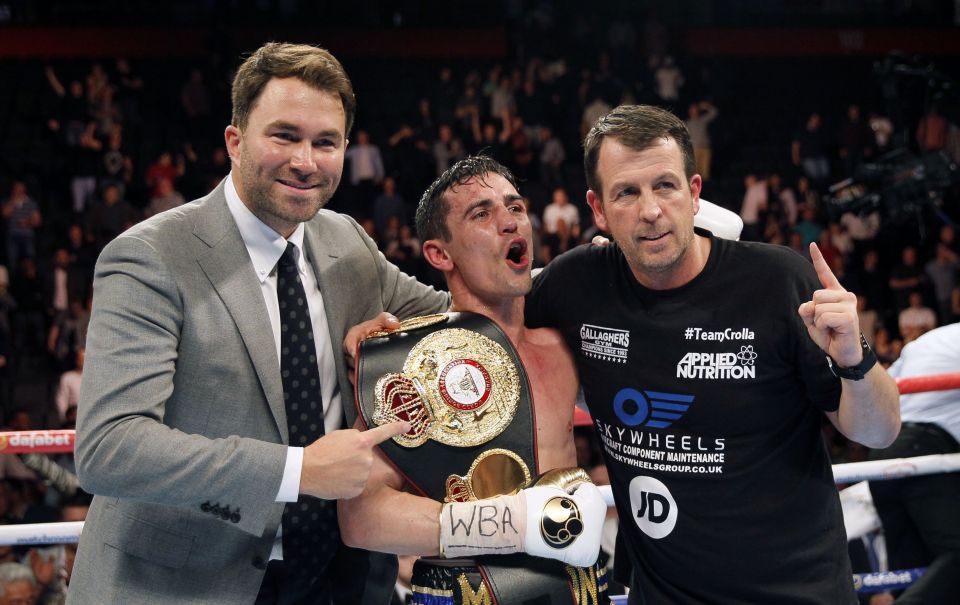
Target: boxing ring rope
<point x="62" y="442"/>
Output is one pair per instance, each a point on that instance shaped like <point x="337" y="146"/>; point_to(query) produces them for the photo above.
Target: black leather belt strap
<point x="524" y="580"/>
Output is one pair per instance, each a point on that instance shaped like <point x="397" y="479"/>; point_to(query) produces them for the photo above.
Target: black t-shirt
<point x="708" y="400"/>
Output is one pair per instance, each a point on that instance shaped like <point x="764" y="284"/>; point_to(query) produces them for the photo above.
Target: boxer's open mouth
<point x="517" y="252"/>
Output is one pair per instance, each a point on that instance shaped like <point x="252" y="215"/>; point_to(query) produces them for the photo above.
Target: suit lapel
<point x="323" y="257"/>
<point x="227" y="265"/>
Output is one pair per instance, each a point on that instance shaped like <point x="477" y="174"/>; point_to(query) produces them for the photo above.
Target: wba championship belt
<point x="459" y="382"/>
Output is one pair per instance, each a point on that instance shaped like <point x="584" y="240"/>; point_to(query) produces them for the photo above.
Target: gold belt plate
<point x="458" y="387"/>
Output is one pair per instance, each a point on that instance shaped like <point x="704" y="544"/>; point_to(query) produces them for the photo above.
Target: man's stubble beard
<point x="266" y="203"/>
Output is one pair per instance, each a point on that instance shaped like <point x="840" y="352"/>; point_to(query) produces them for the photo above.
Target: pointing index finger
<point x="380" y="434"/>
<point x="827" y="278"/>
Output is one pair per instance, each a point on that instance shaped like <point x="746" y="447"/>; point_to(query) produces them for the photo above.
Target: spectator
<point x="366" y="163"/>
<point x="869" y="319"/>
<point x="17" y="585"/>
<point x="595" y="109"/>
<point x="521" y="148"/>
<point x="72" y="114"/>
<point x="552" y="157"/>
<point x="561" y="226"/>
<point x="68" y="334"/>
<point x="82" y="254"/>
<point x="211" y="168"/>
<point x="447" y="149"/>
<point x="68" y="388"/>
<point x="809" y="151"/>
<point x="503" y="104"/>
<point x="873" y="280"/>
<point x="886" y="347"/>
<point x="916" y="319"/>
<point x="467" y="111"/>
<point x="905" y="278"/>
<point x="23" y="218"/>
<point x="807" y="196"/>
<point x="164" y="167"/>
<point x="808" y="228"/>
<point x="84" y="167"/>
<point x="669" y="79"/>
<point x="755" y="198"/>
<point x="105" y="111"/>
<point x="561" y="210"/>
<point x="404" y="251"/>
<point x="116" y="166"/>
<point x="531" y="104"/>
<point x="109" y="217"/>
<point x="166" y="198"/>
<point x="854" y="140"/>
<point x="388" y="204"/>
<point x="195" y="101"/>
<point x="699" y="116"/>
<point x="65" y="282"/>
<point x="783" y="203"/>
<point x="942" y="272"/>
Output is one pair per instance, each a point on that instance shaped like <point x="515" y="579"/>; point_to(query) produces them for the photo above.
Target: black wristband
<point x="858" y="371"/>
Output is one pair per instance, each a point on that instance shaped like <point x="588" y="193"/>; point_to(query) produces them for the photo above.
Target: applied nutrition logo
<point x="736" y="364"/>
<point x="607" y="344"/>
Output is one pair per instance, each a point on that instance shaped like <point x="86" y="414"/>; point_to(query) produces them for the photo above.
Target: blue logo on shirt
<point x="653" y="409"/>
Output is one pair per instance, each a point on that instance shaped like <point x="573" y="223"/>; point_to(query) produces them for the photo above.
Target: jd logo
<point x="654" y="509"/>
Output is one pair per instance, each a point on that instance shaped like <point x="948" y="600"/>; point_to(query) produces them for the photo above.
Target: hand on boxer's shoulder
<point x="356" y="334"/>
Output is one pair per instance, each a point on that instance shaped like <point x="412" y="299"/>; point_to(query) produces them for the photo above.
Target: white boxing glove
<point x="718" y="220"/>
<point x="544" y="521"/>
<point x="564" y="526"/>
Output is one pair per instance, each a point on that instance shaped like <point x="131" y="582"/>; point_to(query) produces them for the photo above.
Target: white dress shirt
<point x="265" y="247"/>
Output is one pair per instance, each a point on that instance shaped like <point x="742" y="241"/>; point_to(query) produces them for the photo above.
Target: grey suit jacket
<point x="182" y="401"/>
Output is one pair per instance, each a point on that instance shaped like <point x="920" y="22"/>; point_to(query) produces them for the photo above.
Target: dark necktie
<point x="310" y="531"/>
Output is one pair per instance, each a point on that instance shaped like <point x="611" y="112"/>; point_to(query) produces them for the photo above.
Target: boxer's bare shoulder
<point x="553" y="378"/>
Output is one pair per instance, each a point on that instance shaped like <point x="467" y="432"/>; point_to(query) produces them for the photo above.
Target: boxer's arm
<point x="387" y="519"/>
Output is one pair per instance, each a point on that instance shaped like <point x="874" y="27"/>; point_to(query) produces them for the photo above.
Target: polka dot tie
<point x="310" y="531"/>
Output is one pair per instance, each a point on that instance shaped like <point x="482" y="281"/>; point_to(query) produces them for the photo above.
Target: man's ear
<point x="437" y="256"/>
<point x="232" y="137"/>
<point x="696" y="185"/>
<point x="593" y="200"/>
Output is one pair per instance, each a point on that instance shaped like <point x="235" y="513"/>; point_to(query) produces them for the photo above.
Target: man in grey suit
<point x="188" y="412"/>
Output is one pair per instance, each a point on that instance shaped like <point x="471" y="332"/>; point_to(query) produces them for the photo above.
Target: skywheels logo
<point x="719" y="366"/>
<point x="608" y="344"/>
<point x="650" y="408"/>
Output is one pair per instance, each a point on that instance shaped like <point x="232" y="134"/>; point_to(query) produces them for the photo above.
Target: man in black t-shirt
<point x="703" y="363"/>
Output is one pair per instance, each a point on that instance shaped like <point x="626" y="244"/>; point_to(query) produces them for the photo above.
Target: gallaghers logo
<point x="608" y="344"/>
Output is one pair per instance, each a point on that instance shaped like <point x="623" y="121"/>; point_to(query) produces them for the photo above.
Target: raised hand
<point x="831" y="317"/>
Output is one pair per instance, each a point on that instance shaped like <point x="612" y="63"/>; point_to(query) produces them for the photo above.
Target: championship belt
<point x="459" y="382"/>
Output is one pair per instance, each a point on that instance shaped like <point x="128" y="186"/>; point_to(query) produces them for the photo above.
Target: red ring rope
<point x="934" y="382"/>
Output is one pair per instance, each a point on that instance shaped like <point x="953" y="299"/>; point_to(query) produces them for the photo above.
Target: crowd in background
<point x="118" y="154"/>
